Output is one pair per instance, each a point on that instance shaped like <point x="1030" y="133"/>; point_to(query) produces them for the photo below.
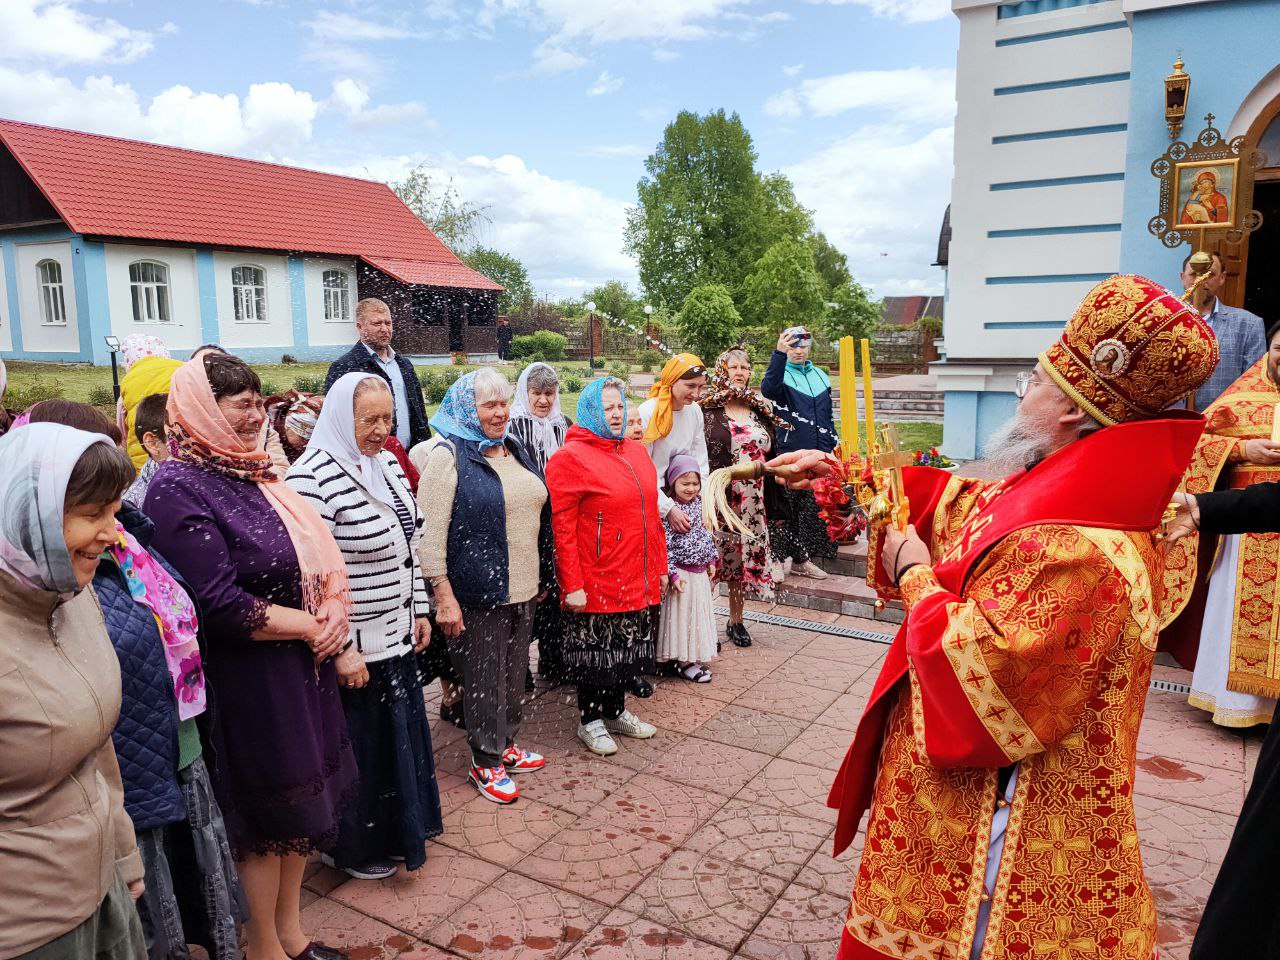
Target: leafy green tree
<point x="701" y="211"/>
<point x="785" y="218"/>
<point x="613" y="299"/>
<point x="855" y="314"/>
<point x="437" y="203"/>
<point x="708" y="321"/>
<point x="784" y="289"/>
<point x="506" y="270"/>
<point x="832" y="265"/>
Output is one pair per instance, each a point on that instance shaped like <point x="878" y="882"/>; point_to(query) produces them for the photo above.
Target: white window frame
<point x="53" y="295"/>
<point x="151" y="297"/>
<point x="337" y="299"/>
<point x="249" y="299"/>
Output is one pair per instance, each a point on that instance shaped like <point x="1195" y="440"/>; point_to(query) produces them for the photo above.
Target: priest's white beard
<point x="1018" y="443"/>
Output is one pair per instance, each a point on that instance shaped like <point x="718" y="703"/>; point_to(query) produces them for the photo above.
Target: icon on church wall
<point x="1206" y="194"/>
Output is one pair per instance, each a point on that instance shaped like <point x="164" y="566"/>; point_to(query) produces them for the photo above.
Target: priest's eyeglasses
<point x="1024" y="382"/>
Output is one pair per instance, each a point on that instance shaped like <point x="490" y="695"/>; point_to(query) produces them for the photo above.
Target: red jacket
<point x="610" y="540"/>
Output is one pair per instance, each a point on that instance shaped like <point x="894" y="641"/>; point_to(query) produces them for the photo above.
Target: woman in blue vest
<point x="486" y="554"/>
<point x="802" y="393"/>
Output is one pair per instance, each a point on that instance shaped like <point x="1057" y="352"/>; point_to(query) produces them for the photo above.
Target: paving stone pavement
<point x="712" y="841"/>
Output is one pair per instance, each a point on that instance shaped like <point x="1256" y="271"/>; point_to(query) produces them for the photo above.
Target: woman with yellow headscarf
<point x="148" y="368"/>
<point x="673" y="423"/>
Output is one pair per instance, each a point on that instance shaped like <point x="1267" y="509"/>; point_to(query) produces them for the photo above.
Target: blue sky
<point x="543" y="110"/>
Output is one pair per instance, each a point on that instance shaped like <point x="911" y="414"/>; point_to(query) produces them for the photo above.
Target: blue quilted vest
<point x="146" y="735"/>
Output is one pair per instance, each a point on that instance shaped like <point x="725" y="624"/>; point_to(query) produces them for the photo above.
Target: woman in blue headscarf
<point x="611" y="561"/>
<point x="486" y="554"/>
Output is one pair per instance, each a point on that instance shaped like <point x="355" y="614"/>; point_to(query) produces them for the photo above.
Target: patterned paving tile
<point x="803" y="925"/>
<point x="1187" y="831"/>
<point x="635" y="755"/>
<point x="709" y="765"/>
<point x="679" y="710"/>
<point x="414" y="902"/>
<point x="321" y="879"/>
<point x="819" y="746"/>
<point x="767" y="733"/>
<point x="799" y="700"/>
<point x="825" y="674"/>
<point x="455" y="790"/>
<point x="518" y="919"/>
<point x="787" y="785"/>
<point x="833" y="875"/>
<point x="1175" y="938"/>
<point x="779" y="639"/>
<point x="847" y="649"/>
<point x="1194" y="784"/>
<point x="773" y="841"/>
<point x="361" y="937"/>
<point x="713" y="899"/>
<point x="1206" y="744"/>
<point x="845" y="713"/>
<point x="1180" y="884"/>
<point x="595" y="860"/>
<point x="503" y="834"/>
<point x="575" y="782"/>
<point x="625" y="936"/>
<point x="658" y="809"/>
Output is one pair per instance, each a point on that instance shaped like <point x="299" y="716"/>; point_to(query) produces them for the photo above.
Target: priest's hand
<point x="1264" y="453"/>
<point x="800" y="468"/>
<point x="1185" y="521"/>
<point x="900" y="549"/>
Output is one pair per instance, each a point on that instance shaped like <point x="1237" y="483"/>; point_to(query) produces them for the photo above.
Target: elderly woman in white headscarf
<point x="61" y="799"/>
<point x="536" y="418"/>
<point x="538" y="423"/>
<point x="363" y="495"/>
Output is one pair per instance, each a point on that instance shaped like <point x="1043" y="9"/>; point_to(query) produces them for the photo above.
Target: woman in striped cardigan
<point x="364" y="497"/>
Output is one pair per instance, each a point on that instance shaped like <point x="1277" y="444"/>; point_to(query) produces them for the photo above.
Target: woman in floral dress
<point x="740" y="427"/>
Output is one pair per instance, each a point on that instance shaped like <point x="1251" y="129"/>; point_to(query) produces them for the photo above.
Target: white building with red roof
<point x="102" y="237"/>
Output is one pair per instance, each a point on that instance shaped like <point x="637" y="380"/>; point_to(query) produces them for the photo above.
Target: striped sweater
<point x="387" y="589"/>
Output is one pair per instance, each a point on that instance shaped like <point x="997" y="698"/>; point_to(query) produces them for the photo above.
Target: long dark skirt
<point x="434" y="663"/>
<point x="799" y="534"/>
<point x="548" y="633"/>
<point x="606" y="649"/>
<point x="1240" y="919"/>
<point x="398" y="809"/>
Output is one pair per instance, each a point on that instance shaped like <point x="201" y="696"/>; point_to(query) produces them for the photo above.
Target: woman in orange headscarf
<point x="673" y="422"/>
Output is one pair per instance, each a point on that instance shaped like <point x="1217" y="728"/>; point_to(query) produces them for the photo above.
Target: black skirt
<point x="606" y="649"/>
<point x="434" y="663"/>
<point x="799" y="534"/>
<point x="398" y="809"/>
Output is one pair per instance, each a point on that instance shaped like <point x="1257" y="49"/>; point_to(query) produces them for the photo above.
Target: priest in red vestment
<point x="996" y="753"/>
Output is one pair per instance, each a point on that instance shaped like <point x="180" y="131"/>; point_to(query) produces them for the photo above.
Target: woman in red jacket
<point x="611" y="561"/>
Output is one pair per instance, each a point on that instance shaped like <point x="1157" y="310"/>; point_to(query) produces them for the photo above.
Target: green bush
<point x="545" y="345"/>
<point x="309" y="384"/>
<point x="620" y="370"/>
<point x="269" y="388"/>
<point x="573" y="384"/>
<point x="648" y="359"/>
<point x="102" y="396"/>
<point x="36" y="389"/>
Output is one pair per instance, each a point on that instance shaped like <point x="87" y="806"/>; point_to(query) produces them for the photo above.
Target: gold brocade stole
<point x="1244" y="412"/>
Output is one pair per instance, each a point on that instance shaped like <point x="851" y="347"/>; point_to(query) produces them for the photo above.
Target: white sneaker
<point x="628" y="724"/>
<point x="811" y="569"/>
<point x="597" y="738"/>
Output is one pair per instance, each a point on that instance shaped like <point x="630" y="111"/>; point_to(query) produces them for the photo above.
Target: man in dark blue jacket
<point x="373" y="354"/>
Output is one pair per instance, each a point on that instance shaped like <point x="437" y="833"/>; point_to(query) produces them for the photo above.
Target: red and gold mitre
<point x="1131" y="350"/>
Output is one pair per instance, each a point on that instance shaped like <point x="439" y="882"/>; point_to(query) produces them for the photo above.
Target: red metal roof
<point x="108" y="187"/>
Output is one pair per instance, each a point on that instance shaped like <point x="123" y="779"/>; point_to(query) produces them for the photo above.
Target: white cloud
<point x="345" y="28"/>
<point x="914" y="94"/>
<point x="601" y="22"/>
<point x="272" y="119"/>
<point x="549" y="59"/>
<point x="910" y="11"/>
<point x="55" y="31"/>
<point x="605" y="84"/>
<point x="169" y="28"/>
<point x="567" y="234"/>
<point x="663" y="55"/>
<point x="882" y="189"/>
<point x="350" y="96"/>
<point x="793" y="70"/>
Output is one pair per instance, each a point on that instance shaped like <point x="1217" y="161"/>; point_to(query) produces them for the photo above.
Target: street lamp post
<point x="113" y="344"/>
<point x="591" y="336"/>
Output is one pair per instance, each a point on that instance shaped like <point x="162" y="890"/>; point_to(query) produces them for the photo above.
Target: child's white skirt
<point x="687" y="627"/>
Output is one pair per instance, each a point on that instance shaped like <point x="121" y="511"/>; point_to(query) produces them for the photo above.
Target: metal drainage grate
<point x="1162" y="686"/>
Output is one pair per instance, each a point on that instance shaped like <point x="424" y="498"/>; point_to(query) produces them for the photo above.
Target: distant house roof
<point x="944" y="240"/>
<point x="904" y="311"/>
<point x="108" y="187"/>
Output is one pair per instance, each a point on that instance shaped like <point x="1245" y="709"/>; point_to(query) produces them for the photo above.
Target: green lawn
<point x="77" y="381"/>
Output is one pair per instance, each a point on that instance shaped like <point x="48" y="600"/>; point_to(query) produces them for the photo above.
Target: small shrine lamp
<point x="113" y="344"/>
<point x="591" y="336"/>
<point x="1177" y="90"/>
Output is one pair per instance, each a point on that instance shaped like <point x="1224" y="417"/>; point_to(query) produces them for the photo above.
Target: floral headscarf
<point x="722" y="391"/>
<point x="151" y="585"/>
<point x="457" y="416"/>
<point x="38" y="462"/>
<point x="663" y="416"/>
<point x="138" y="345"/>
<point x="591" y="408"/>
